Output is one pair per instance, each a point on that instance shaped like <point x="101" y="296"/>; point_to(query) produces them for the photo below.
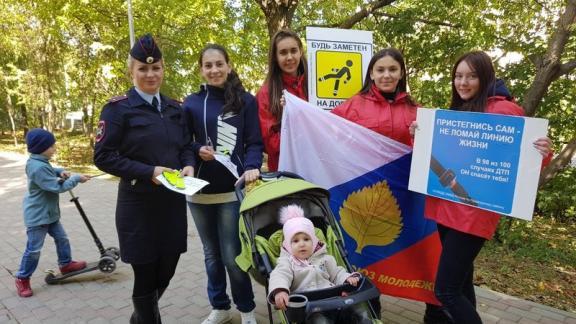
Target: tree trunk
<point x="11" y="116"/>
<point x="370" y="8"/>
<point x="48" y="111"/>
<point x="278" y="13"/>
<point x="550" y="67"/>
<point x="91" y="121"/>
<point x="558" y="163"/>
<point x="24" y="113"/>
<point x="86" y="122"/>
<point x="51" y="125"/>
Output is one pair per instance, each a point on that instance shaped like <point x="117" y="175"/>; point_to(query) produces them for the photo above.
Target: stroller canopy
<point x="274" y="189"/>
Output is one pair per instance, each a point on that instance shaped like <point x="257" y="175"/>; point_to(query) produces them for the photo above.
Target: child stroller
<point x="261" y="239"/>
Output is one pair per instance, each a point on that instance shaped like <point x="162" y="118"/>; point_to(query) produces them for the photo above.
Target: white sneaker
<point x="218" y="316"/>
<point x="248" y="318"/>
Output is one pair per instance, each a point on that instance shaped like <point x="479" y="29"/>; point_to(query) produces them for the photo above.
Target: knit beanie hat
<point x="292" y="216"/>
<point x="39" y="140"/>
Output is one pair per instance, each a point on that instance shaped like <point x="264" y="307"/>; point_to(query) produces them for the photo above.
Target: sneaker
<point x="248" y="318"/>
<point x="73" y="266"/>
<point x="23" y="287"/>
<point x="218" y="316"/>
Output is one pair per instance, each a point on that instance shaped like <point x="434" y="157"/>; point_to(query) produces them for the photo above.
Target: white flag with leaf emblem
<point x="385" y="233"/>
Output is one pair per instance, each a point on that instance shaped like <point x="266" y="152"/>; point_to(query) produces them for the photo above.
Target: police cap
<point x="146" y="50"/>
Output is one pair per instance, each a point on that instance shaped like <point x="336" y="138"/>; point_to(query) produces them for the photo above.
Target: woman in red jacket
<point x="384" y="106"/>
<point x="464" y="229"/>
<point x="287" y="69"/>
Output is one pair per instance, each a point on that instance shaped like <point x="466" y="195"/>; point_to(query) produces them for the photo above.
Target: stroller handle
<point x="331" y="298"/>
<point x="264" y="176"/>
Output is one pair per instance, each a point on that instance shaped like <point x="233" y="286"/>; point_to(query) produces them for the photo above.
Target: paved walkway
<point x="105" y="298"/>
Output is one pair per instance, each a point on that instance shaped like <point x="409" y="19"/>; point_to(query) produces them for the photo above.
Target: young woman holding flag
<point x="287" y="69"/>
<point x="384" y="106"/>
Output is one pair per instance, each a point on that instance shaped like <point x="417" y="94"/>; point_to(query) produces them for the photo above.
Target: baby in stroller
<point x="304" y="264"/>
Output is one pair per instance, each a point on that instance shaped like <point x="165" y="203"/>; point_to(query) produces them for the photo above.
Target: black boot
<point x="146" y="309"/>
<point x="436" y="315"/>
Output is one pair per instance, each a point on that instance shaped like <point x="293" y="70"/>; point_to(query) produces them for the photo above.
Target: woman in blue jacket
<point x="223" y="119"/>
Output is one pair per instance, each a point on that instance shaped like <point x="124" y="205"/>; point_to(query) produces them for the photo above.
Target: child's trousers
<point x="36" y="236"/>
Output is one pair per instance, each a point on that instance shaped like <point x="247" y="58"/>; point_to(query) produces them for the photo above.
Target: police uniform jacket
<point x="133" y="137"/>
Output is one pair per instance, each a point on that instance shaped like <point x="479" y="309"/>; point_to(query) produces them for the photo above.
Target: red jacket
<point x="268" y="124"/>
<point x="464" y="218"/>
<point x="373" y="111"/>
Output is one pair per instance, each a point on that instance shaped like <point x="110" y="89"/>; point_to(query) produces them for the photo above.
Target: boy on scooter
<point x="42" y="210"/>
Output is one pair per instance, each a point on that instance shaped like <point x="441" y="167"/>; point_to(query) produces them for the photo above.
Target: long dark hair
<point x="274" y="76"/>
<point x="480" y="63"/>
<point x="233" y="88"/>
<point x="398" y="57"/>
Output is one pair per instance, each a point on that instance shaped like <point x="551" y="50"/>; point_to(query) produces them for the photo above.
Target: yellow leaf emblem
<point x="371" y="216"/>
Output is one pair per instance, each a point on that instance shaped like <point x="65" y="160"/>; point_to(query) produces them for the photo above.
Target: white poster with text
<point x="478" y="159"/>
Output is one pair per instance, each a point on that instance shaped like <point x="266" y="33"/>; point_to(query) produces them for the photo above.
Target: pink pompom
<point x="289" y="212"/>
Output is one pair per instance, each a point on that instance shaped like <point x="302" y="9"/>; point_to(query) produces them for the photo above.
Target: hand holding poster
<point x="479" y="159"/>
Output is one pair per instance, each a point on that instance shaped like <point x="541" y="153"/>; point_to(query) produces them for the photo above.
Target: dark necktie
<point x="155" y="103"/>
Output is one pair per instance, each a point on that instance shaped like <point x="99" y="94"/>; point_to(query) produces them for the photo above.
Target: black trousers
<point x="454" y="281"/>
<point x="154" y="276"/>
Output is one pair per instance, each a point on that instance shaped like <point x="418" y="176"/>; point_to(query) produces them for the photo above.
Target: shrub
<point x="557" y="199"/>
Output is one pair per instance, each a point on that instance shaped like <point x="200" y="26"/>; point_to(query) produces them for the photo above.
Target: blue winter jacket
<point x="237" y="134"/>
<point x="41" y="202"/>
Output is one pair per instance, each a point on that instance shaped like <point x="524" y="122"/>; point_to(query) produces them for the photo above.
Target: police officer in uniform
<point x="140" y="135"/>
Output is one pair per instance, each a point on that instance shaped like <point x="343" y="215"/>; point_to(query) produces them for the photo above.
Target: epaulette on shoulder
<point x="118" y="98"/>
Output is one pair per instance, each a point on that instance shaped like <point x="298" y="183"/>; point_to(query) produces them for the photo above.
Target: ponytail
<point x="233" y="90"/>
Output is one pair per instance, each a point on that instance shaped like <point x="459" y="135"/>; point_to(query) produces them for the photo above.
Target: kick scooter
<point x="108" y="256"/>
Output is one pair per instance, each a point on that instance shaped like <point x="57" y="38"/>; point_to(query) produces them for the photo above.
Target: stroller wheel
<point x="107" y="264"/>
<point x="113" y="252"/>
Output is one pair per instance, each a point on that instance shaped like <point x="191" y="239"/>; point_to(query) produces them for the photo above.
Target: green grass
<point x="534" y="261"/>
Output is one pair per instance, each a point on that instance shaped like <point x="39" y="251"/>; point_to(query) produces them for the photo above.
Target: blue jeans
<point x="36" y="236"/>
<point x="217" y="225"/>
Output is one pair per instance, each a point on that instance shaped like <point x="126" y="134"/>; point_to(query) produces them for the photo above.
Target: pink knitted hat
<point x="292" y="216"/>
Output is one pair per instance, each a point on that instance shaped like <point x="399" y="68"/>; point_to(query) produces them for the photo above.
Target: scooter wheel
<point x="113" y="252"/>
<point x="50" y="278"/>
<point x="107" y="264"/>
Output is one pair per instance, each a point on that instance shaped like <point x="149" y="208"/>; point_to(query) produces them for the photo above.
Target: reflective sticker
<point x="100" y="130"/>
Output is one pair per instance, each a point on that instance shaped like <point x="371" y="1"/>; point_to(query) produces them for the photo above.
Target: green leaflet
<point x="174" y="179"/>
